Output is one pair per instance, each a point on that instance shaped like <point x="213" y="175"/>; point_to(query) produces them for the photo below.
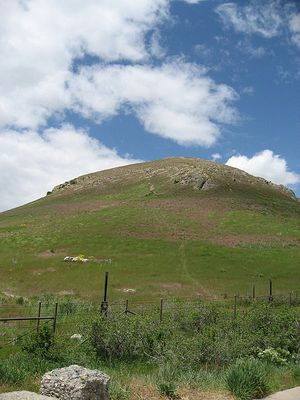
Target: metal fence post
<point x="270" y="291"/>
<point x="104" y="303"/>
<point x="39" y="316"/>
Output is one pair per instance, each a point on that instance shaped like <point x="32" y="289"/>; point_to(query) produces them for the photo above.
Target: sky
<point x="87" y="85"/>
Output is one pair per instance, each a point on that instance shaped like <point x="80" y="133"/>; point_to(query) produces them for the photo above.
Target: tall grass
<point x="247" y="379"/>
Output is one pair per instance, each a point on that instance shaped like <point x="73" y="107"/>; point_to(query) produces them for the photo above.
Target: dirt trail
<point x="291" y="394"/>
<point x="185" y="272"/>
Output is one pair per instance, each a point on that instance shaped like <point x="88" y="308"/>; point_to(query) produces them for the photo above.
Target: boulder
<point x="24" y="396"/>
<point x="75" y="383"/>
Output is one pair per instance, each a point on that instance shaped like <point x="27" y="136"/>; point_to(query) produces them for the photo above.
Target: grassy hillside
<point x="175" y="227"/>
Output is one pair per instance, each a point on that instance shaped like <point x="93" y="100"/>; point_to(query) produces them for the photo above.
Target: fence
<point x="17" y="321"/>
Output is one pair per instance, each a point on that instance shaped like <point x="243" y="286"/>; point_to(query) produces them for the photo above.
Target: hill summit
<point x="192" y="172"/>
<point x="173" y="227"/>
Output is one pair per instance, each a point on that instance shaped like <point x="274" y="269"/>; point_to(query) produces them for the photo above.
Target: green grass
<point x="177" y="242"/>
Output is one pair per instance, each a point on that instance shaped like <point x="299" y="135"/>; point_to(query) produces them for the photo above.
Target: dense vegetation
<point x="199" y="346"/>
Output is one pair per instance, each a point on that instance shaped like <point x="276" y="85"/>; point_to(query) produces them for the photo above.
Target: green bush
<point x="42" y="344"/>
<point x="198" y="336"/>
<point x="274" y="356"/>
<point x="128" y="338"/>
<point x="247" y="379"/>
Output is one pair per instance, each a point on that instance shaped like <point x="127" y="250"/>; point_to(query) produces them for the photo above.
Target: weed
<point x="247" y="379"/>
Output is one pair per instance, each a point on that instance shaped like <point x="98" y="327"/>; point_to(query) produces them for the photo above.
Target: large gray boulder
<point x="75" y="383"/>
<point x="24" y="396"/>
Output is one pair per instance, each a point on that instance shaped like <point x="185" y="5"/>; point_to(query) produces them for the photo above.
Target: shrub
<point x="20" y="300"/>
<point x="247" y="379"/>
<point x="42" y="344"/>
<point x="274" y="356"/>
<point x="127" y="338"/>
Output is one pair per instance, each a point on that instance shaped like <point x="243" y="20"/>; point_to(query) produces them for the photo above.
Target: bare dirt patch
<point x="66" y="293"/>
<point x="171" y="285"/>
<point x="143" y="391"/>
<point x="49" y="254"/>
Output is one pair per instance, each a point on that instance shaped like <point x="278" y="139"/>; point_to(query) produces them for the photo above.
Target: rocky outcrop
<point x="75" y="383"/>
<point x="196" y="173"/>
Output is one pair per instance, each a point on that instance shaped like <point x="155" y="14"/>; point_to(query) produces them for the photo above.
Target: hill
<point x="173" y="227"/>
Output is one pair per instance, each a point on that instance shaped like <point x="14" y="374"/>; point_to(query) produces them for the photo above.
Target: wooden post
<point x="104" y="304"/>
<point x="161" y="310"/>
<point x="39" y="316"/>
<point x="271" y="291"/>
<point x="253" y="292"/>
<point x="126" y="307"/>
<point x="55" y="317"/>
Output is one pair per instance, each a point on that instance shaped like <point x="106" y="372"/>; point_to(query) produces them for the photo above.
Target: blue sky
<point x="91" y="85"/>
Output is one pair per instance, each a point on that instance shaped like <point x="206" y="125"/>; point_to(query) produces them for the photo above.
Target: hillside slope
<point x="173" y="227"/>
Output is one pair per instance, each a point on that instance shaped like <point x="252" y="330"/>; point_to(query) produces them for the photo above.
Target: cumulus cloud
<point x="40" y="40"/>
<point x="45" y="47"/>
<point x="32" y="163"/>
<point x="262" y="18"/>
<point x="266" y="164"/>
<point x="177" y="101"/>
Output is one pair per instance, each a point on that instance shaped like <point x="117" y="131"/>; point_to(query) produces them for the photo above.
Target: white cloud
<point x="203" y="51"/>
<point x="294" y="25"/>
<point x="193" y="1"/>
<point x="40" y="40"/>
<point x="248" y="90"/>
<point x="246" y="47"/>
<point x="32" y="163"/>
<point x="262" y="18"/>
<point x="267" y="19"/>
<point x="177" y="101"/>
<point x="216" y="156"/>
<point x="266" y="164"/>
<point x="43" y="47"/>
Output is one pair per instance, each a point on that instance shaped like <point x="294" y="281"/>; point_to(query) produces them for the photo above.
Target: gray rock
<point x="209" y="184"/>
<point x="24" y="396"/>
<point x="75" y="383"/>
